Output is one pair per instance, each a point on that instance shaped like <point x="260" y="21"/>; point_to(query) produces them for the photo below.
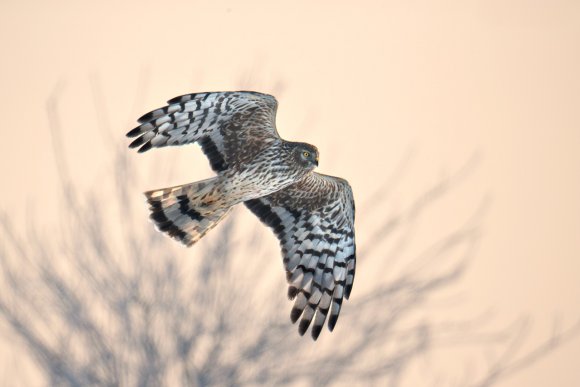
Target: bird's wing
<point x="314" y="221"/>
<point x="231" y="127"/>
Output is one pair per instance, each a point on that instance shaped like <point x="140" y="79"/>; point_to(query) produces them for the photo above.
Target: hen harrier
<point x="311" y="214"/>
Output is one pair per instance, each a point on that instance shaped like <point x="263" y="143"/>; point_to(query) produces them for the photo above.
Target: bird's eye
<point x="306" y="154"/>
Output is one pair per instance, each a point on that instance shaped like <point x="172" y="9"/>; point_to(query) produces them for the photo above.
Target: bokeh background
<point x="448" y="118"/>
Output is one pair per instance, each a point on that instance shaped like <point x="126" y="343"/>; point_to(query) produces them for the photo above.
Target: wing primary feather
<point x="314" y="222"/>
<point x="145" y="147"/>
<point x="306" y="319"/>
<point x="224" y="117"/>
<point x="134" y="132"/>
<point x="292" y="292"/>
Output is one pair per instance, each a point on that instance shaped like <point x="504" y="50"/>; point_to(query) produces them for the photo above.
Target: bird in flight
<point x="311" y="214"/>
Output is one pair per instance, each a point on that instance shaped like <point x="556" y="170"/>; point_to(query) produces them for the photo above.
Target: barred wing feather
<point x="225" y="124"/>
<point x="314" y="221"/>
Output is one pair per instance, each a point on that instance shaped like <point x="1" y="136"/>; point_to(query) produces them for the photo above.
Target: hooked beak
<point x="316" y="160"/>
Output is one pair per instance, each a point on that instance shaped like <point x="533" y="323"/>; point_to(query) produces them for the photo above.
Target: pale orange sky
<point x="366" y="84"/>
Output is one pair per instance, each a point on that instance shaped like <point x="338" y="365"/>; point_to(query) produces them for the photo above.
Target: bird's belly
<point x="249" y="185"/>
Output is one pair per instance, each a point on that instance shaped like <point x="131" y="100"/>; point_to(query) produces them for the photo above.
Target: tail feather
<point x="187" y="212"/>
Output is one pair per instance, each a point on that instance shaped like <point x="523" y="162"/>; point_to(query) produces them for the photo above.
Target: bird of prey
<point x="311" y="214"/>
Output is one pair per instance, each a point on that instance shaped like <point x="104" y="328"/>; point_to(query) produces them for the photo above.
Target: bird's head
<point x="306" y="155"/>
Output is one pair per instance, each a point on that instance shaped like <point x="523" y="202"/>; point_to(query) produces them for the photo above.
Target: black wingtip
<point x="145" y="147"/>
<point x="145" y="117"/>
<point x="303" y="326"/>
<point x="134" y="132"/>
<point x="182" y="98"/>
<point x="332" y="322"/>
<point x="316" y="331"/>
<point x="347" y="291"/>
<point x="136" y="142"/>
<point x="292" y="292"/>
<point x="295" y="314"/>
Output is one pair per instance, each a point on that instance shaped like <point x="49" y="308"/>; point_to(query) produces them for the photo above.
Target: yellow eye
<point x="306" y="154"/>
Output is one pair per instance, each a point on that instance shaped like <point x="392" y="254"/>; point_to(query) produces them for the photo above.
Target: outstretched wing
<point x="230" y="126"/>
<point x="314" y="221"/>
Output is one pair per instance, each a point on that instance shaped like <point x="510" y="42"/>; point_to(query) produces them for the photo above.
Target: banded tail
<point x="187" y="212"/>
